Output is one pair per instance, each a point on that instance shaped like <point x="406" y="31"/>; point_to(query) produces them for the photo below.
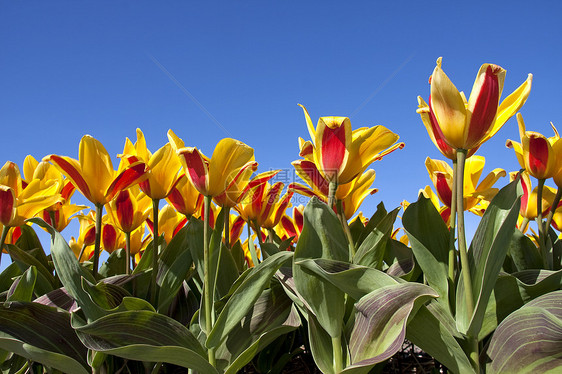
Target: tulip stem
<point x="337" y="352"/>
<point x="332" y="188"/>
<point x="155" y="237"/>
<point x="540" y="224"/>
<point x="52" y="216"/>
<point x="473" y="349"/>
<point x="553" y="208"/>
<point x="227" y="227"/>
<point x="81" y="252"/>
<point x="270" y="236"/>
<point x="524" y="224"/>
<point x="452" y="220"/>
<point x="251" y="247"/>
<point x="343" y="220"/>
<point x="207" y="298"/>
<point x="97" y="243"/>
<point x="5" y="230"/>
<point x="127" y="253"/>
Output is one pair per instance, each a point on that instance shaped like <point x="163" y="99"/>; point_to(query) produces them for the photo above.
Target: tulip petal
<point x="447" y="104"/>
<point x="537" y="158"/>
<point x="10" y="176"/>
<point x="308" y="171"/>
<point x="483" y="104"/>
<point x="443" y="185"/>
<point x="195" y="168"/>
<point x="71" y="169"/>
<point x="229" y="156"/>
<point x="332" y="143"/>
<point x="129" y="177"/>
<point x="96" y="167"/>
<point x="309" y="123"/>
<point x="7" y="205"/>
<point x="432" y="127"/>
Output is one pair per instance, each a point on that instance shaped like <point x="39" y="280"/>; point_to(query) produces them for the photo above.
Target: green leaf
<point x="145" y="263"/>
<point x="29" y="240"/>
<point x="115" y="264"/>
<point x="175" y="264"/>
<point x="145" y="336"/>
<point x="380" y="321"/>
<point x="530" y="339"/>
<point x="40" y="330"/>
<point x="195" y="239"/>
<point x="433" y="330"/>
<point x="523" y="252"/>
<point x="28" y="260"/>
<point x="375" y="219"/>
<point x="320" y="346"/>
<point x="70" y="274"/>
<point x="271" y="316"/>
<point x="7" y="276"/>
<point x="105" y="295"/>
<point x="245" y="296"/>
<point x="354" y="280"/>
<point x="372" y="250"/>
<point x="322" y="237"/>
<point x="22" y="288"/>
<point x="487" y="253"/>
<point x="429" y="238"/>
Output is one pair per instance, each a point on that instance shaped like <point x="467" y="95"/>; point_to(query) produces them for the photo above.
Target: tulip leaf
<point x="322" y="236"/>
<point x="29" y="241"/>
<point x="487" y="253"/>
<point x="145" y="336"/>
<point x="372" y="249"/>
<point x="375" y="219"/>
<point x="433" y="330"/>
<point x="6" y="277"/>
<point x="523" y="252"/>
<point x="105" y="295"/>
<point x="58" y="298"/>
<point x="379" y="326"/>
<point x="242" y="300"/>
<point x="272" y="315"/>
<point x="320" y="346"/>
<point x="70" y="274"/>
<point x="175" y="264"/>
<point x="429" y="238"/>
<point x="115" y="264"/>
<point x="41" y="333"/>
<point x="22" y="288"/>
<point x="195" y="239"/>
<point x="354" y="280"/>
<point x="512" y="291"/>
<point x="27" y="260"/>
<point x="529" y="340"/>
<point x="145" y="263"/>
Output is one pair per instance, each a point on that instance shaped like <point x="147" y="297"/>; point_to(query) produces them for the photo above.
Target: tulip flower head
<point x="466" y="124"/>
<point x="93" y="174"/>
<point x="539" y="155"/>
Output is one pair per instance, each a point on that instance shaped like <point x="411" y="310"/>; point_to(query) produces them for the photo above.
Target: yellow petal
<point x="97" y="168"/>
<point x="229" y="156"/>
<point x="449" y="108"/>
<point x="10" y="176"/>
<point x="309" y="124"/>
<point x="29" y="166"/>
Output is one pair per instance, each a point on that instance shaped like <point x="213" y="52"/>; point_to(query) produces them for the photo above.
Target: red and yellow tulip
<point x="539" y="155"/>
<point x="466" y="124"/>
<point x="93" y="174"/>
<point x="129" y="210"/>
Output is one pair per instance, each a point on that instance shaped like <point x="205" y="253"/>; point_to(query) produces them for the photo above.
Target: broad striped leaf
<point x="22" y="288"/>
<point x="530" y="339"/>
<point x="245" y="296"/>
<point x="145" y="336"/>
<point x="380" y="322"/>
<point x="38" y="328"/>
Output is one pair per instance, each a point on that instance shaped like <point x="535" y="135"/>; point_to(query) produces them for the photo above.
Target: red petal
<point x="538" y="155"/>
<point x="126" y="179"/>
<point x="74" y="175"/>
<point x="7" y="205"/>
<point x="333" y="149"/>
<point x="443" y="189"/>
<point x="125" y="212"/>
<point x="485" y="108"/>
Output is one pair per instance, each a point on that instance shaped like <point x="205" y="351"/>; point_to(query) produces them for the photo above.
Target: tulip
<point x="341" y="154"/>
<point x="537" y="154"/>
<point x="474" y="194"/>
<point x="185" y="198"/>
<point x="467" y="124"/>
<point x="360" y="190"/>
<point x="169" y="223"/>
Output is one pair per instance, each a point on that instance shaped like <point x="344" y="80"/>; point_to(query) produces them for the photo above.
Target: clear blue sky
<point x="237" y="69"/>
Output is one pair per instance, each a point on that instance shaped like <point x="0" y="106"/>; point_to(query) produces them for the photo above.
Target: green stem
<point x="260" y="242"/>
<point x="553" y="208"/>
<point x="332" y="188"/>
<point x="270" y="236"/>
<point x="127" y="253"/>
<point x="5" y="230"/>
<point x="227" y="227"/>
<point x="465" y="267"/>
<point x="155" y="237"/>
<point x="337" y="351"/>
<point x="540" y="224"/>
<point x="97" y="243"/>
<point x="52" y="216"/>
<point x="207" y="295"/>
<point x="81" y="252"/>
<point x="524" y="224"/>
<point x="345" y="225"/>
<point x="251" y="246"/>
<point x="452" y="220"/>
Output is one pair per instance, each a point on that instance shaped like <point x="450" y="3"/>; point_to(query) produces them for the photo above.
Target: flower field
<point x="212" y="266"/>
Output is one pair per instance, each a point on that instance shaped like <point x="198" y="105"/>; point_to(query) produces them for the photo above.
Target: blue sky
<point x="237" y="69"/>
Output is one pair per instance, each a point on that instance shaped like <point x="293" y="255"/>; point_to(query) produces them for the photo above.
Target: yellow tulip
<point x="129" y="209"/>
<point x="17" y="203"/>
<point x="93" y="174"/>
<point x="212" y="177"/>
<point x="359" y="191"/>
<point x="466" y="124"/>
<point x="528" y="208"/>
<point x="539" y="155"/>
<point x="441" y="175"/>
<point x="162" y="166"/>
<point x="169" y="222"/>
